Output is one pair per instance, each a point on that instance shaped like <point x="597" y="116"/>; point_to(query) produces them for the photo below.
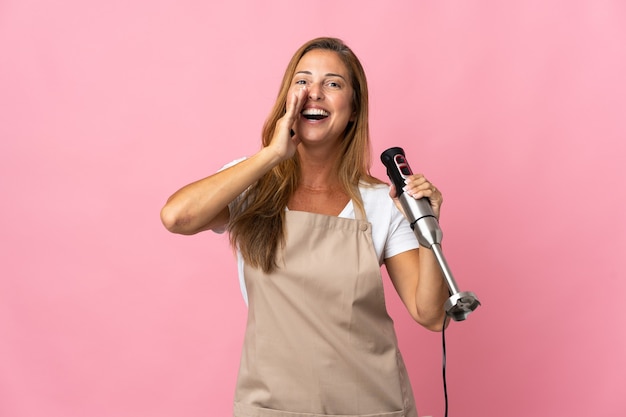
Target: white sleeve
<point x="391" y="232"/>
<point x="401" y="237"/>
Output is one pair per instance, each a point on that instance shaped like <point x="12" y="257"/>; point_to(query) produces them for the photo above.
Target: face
<point x="328" y="106"/>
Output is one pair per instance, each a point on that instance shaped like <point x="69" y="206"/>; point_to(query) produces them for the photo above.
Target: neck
<point x="318" y="169"/>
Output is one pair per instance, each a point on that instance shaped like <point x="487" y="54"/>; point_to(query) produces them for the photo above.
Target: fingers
<point x="295" y="102"/>
<point x="417" y="186"/>
<point x="285" y="139"/>
<point x="293" y="107"/>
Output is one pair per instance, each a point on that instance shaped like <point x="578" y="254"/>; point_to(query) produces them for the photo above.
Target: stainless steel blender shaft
<point x="426" y="228"/>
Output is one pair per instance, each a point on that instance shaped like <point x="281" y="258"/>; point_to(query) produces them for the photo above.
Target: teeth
<point x="314" y="112"/>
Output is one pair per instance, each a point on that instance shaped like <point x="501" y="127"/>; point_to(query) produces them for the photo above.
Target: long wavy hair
<point x="256" y="225"/>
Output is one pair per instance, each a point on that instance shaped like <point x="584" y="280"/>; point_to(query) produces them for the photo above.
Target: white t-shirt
<point x="391" y="232"/>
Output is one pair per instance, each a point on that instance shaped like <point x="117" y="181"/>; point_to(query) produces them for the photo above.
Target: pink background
<point x="516" y="109"/>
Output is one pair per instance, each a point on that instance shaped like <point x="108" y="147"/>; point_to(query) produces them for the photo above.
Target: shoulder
<point x="378" y="205"/>
<point x="232" y="163"/>
<point x="370" y="190"/>
<point x="391" y="232"/>
<point x="375" y="195"/>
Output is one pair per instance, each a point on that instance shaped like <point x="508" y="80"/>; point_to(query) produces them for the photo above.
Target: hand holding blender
<point x="426" y="228"/>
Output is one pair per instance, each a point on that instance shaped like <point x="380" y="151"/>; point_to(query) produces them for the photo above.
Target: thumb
<point x="393" y="193"/>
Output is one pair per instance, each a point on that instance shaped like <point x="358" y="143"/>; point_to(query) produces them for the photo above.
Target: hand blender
<point x="426" y="228"/>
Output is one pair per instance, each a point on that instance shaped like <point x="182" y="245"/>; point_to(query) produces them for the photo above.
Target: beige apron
<point x="319" y="340"/>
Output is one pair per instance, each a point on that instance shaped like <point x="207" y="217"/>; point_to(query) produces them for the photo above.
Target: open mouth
<point x="315" y="114"/>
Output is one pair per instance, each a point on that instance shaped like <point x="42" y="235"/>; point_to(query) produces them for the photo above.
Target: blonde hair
<point x="256" y="226"/>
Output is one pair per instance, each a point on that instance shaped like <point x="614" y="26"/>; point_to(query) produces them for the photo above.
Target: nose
<point x="315" y="92"/>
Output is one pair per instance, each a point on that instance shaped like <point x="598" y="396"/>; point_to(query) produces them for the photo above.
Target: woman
<point x="312" y="228"/>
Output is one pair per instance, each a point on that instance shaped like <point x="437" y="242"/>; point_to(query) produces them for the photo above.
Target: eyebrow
<point x="330" y="74"/>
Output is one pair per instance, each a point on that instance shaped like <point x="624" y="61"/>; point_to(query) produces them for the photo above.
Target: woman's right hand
<point x="285" y="139"/>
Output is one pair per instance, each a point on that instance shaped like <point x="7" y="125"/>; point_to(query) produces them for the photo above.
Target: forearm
<point x="431" y="291"/>
<point x="202" y="205"/>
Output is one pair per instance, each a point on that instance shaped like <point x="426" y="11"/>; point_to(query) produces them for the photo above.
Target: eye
<point x="300" y="82"/>
<point x="333" y="84"/>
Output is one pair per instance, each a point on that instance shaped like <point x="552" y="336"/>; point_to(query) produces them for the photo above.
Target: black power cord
<point x="445" y="385"/>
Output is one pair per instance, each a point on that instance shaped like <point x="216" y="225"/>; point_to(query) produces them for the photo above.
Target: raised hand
<point x="285" y="139"/>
